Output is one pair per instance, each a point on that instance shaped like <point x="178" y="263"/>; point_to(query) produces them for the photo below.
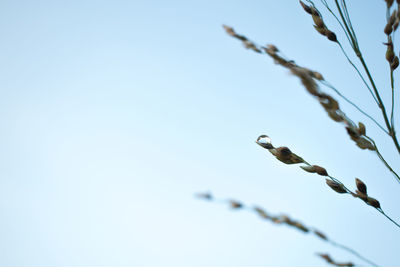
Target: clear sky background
<point x="114" y="113"/>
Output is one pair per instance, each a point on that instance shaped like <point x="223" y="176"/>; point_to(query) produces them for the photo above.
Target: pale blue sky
<point x="114" y="113"/>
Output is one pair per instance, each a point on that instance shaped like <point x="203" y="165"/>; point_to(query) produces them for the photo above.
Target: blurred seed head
<point x="361" y="186"/>
<point x="339" y="188"/>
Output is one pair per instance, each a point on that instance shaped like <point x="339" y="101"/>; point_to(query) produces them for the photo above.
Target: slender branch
<point x="327" y="84"/>
<point x="358" y="72"/>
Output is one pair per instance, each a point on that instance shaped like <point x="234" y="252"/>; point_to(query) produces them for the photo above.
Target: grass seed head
<point x="373" y="202"/>
<point x="331" y="36"/>
<point x="335" y="186"/>
<point x="395" y="63"/>
<point x="361" y="186"/>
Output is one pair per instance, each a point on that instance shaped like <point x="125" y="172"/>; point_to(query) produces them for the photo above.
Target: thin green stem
<point x="359" y="73"/>
<point x="383" y="159"/>
<point x="352" y="252"/>
<point x="354" y="105"/>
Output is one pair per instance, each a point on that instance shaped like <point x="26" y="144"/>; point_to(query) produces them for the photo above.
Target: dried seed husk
<point x="388" y="29"/>
<point x="389" y="54"/>
<point x="317" y="75"/>
<point x="334" y="115"/>
<point x="339" y="188"/>
<point x="331" y="36"/>
<point x="373" y="202"/>
<point x="389" y="3"/>
<point x="315" y="169"/>
<point x="360" y="195"/>
<point x="321" y="30"/>
<point x="395" y="63"/>
<point x="361" y="128"/>
<point x="328" y="102"/>
<point x="365" y="144"/>
<point x="301" y="227"/>
<point x="320" y="235"/>
<point x="261" y="212"/>
<point x="235" y="204"/>
<point x="361" y="186"/>
<point x="318" y="21"/>
<point x="306" y="8"/>
<point x="286" y="156"/>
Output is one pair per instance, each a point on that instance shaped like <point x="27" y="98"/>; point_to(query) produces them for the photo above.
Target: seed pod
<point x="262" y="213"/>
<point x="301" y="227"/>
<point x="317" y="75"/>
<point x="331" y="36"/>
<point x="388" y="29"/>
<point x="389" y="3"/>
<point x="396" y="24"/>
<point x="395" y="63"/>
<point x="321" y="30"/>
<point x="320" y="235"/>
<point x="306" y="8"/>
<point x="361" y="128"/>
<point x="286" y="156"/>
<point x="361" y="186"/>
<point x="315" y="169"/>
<point x="339" y="188"/>
<point x="235" y="204"/>
<point x="318" y="21"/>
<point x="389" y="52"/>
<point x="360" y="195"/>
<point x="328" y="102"/>
<point x="373" y="202"/>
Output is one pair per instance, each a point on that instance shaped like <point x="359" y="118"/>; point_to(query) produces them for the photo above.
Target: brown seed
<point x="306" y="8"/>
<point x="315" y="169"/>
<point x="395" y="63"/>
<point x="301" y="227"/>
<point x="360" y="195"/>
<point x="318" y="21"/>
<point x="361" y="128"/>
<point x="321" y="30"/>
<point x="389" y="53"/>
<point x="321" y="235"/>
<point x="331" y="36"/>
<point x="373" y="202"/>
<point x="339" y="188"/>
<point x="261" y="212"/>
<point x="389" y="3"/>
<point x="235" y="204"/>
<point x="388" y="29"/>
<point x="361" y="186"/>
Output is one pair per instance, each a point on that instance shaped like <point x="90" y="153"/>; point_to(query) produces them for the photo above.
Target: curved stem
<point x="354" y="105"/>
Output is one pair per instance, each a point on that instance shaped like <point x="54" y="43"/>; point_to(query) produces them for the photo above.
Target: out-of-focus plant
<point x="313" y="81"/>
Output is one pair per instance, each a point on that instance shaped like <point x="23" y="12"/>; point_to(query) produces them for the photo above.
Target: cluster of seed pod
<point x="335" y="263"/>
<point x="286" y="156"/>
<point x="246" y="42"/>
<point x="283" y="153"/>
<point x="361" y="193"/>
<point x="281" y="220"/>
<point x="263" y="214"/>
<point x="390" y="27"/>
<point x="330" y="105"/>
<point x="319" y="23"/>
